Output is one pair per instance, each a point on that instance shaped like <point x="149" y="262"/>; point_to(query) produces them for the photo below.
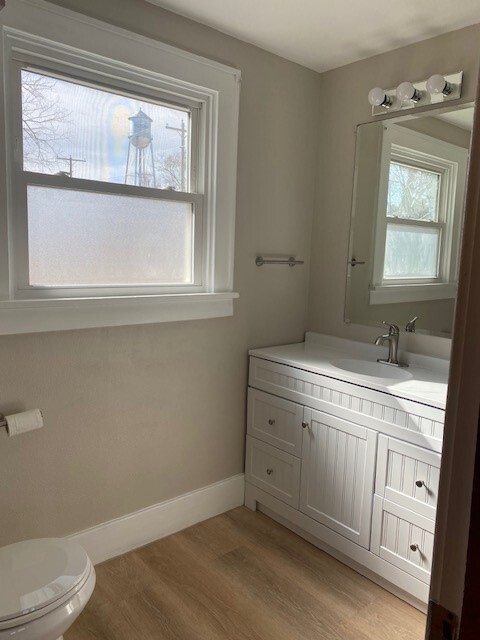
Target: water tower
<point x="140" y="168"/>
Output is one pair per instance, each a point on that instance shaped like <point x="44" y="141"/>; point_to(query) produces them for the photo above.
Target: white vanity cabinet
<point x="354" y="469"/>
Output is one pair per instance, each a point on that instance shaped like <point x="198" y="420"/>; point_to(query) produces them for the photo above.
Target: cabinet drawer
<point x="408" y="475"/>
<point x="403" y="538"/>
<point x="275" y="421"/>
<point x="273" y="470"/>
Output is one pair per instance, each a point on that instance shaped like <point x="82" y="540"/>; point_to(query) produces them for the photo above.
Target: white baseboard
<point x="133" y="530"/>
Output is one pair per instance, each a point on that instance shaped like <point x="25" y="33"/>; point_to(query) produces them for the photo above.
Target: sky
<point x="95" y="127"/>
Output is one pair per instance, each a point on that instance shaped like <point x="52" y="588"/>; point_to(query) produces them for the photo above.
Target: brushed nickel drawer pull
<point x="414" y="547"/>
<point x="269" y="471"/>
<point x="271" y="422"/>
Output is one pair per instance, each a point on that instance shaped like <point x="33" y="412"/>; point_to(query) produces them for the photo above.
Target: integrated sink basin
<point x="424" y="381"/>
<point x="375" y="370"/>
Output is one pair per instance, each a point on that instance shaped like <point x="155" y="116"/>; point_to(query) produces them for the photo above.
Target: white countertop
<point x="424" y="380"/>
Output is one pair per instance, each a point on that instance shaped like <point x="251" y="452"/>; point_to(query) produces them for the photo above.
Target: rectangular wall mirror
<point x="407" y="217"/>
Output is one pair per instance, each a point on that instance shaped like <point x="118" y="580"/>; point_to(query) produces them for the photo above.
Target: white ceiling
<point x="324" y="34"/>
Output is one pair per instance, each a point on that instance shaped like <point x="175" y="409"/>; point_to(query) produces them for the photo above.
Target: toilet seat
<point x="37" y="576"/>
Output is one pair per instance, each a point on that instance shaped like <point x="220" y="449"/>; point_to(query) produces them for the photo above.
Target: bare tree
<point x="41" y="116"/>
<point x="412" y="192"/>
<point x="169" y="171"/>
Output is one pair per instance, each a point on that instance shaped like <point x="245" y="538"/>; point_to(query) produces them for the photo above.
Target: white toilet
<point x="44" y="586"/>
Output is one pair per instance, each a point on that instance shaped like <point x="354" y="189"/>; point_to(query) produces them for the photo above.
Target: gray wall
<point x="140" y="414"/>
<point x="344" y="106"/>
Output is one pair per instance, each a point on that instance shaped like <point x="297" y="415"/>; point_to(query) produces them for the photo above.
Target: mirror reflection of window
<point x="414" y="223"/>
<point x="420" y="207"/>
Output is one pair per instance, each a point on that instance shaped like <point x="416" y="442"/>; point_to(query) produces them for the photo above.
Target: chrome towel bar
<point x="260" y="261"/>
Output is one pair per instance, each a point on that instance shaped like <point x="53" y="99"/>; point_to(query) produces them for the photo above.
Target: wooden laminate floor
<point x="239" y="576"/>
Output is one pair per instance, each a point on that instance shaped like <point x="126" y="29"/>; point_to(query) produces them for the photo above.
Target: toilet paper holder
<point x="21" y="422"/>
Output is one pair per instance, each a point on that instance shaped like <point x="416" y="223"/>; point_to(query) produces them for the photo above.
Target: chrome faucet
<point x="392" y="338"/>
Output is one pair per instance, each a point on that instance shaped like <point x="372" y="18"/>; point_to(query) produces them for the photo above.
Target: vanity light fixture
<point x="378" y="98"/>
<point x="408" y="95"/>
<point x="407" y="92"/>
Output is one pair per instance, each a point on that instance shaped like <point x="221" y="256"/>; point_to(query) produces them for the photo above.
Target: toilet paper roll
<point x="23" y="422"/>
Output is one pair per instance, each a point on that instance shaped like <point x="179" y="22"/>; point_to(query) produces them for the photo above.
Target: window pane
<point x="83" y="238"/>
<point x="412" y="193"/>
<point x="411" y="252"/>
<point x="96" y="134"/>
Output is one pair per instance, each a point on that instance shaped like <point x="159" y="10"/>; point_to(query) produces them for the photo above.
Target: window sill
<point x="34" y="316"/>
<point x="395" y="294"/>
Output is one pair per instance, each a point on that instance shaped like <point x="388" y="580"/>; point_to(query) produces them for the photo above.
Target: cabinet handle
<point x="420" y="483"/>
<point x="269" y="472"/>
<point x="305" y="425"/>
<point x="414" y="547"/>
<point x="271" y="422"/>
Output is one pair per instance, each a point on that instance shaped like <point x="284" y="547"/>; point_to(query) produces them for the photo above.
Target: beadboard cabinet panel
<point x="403" y="538"/>
<point x="338" y="465"/>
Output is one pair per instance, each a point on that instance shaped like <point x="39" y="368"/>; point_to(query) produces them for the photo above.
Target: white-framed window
<point x="120" y="173"/>
<point x="420" y="204"/>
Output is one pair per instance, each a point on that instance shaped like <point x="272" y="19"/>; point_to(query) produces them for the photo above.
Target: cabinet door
<point x="338" y="466"/>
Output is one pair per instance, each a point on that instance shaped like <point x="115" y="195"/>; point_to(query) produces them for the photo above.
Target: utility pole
<point x="182" y="131"/>
<point x="71" y="161"/>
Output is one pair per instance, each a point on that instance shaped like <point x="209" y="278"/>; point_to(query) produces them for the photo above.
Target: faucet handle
<point x="393" y="329"/>
<point x="410" y="328"/>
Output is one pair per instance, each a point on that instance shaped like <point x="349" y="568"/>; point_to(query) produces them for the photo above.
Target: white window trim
<point x="397" y="143"/>
<point x="413" y="293"/>
<point x="46" y="28"/>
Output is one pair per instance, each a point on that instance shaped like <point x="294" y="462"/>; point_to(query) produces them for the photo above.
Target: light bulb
<point x="378" y="98"/>
<point x="437" y="84"/>
<point x="406" y="92"/>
